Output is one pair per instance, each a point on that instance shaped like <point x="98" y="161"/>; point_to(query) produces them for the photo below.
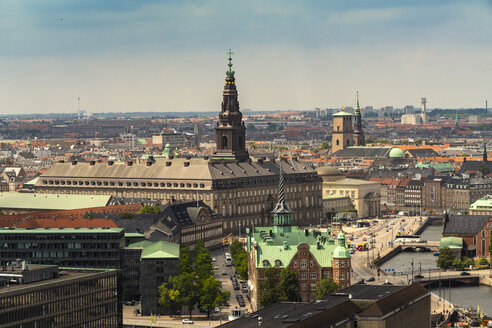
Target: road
<point x="384" y="232"/>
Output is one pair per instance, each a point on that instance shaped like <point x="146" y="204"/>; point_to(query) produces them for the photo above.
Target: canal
<point x="463" y="296"/>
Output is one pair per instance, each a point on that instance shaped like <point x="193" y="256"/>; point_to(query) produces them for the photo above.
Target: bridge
<point x="428" y="246"/>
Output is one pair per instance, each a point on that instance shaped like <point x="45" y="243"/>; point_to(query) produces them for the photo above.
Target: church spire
<point x="230" y="130"/>
<point x="282" y="212"/>
<point x="359" y="139"/>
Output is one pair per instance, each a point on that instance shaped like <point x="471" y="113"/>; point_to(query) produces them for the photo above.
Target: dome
<point x="341" y="235"/>
<point x="328" y="170"/>
<point x="396" y="153"/>
<point x="341" y="252"/>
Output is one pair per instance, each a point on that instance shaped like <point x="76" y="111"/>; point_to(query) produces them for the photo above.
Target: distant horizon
<point x="150" y="55"/>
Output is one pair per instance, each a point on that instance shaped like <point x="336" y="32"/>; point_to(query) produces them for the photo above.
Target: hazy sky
<point x="122" y="55"/>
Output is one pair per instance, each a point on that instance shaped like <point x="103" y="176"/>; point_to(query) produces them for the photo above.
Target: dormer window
<point x="278" y="263"/>
<point x="266" y="263"/>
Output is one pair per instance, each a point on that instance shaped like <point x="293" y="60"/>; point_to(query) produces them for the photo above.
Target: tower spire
<point x="485" y="159"/>
<point x="359" y="139"/>
<point x="281" y="212"/>
<point x="230" y="130"/>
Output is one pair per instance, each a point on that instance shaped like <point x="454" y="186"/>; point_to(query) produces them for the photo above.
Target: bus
<point x="228" y="259"/>
<point x="362" y="247"/>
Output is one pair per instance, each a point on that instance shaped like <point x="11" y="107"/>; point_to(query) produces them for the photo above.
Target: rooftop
<point x="157" y="250"/>
<point x="464" y="224"/>
<point x="22" y="231"/>
<point x="51" y="201"/>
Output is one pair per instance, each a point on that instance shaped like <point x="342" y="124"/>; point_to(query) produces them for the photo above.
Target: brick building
<point x="313" y="255"/>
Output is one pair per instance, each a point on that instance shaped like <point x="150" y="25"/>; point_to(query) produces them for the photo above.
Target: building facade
<point x="243" y="191"/>
<point x="70" y="247"/>
<point x="313" y="255"/>
<point x="76" y="298"/>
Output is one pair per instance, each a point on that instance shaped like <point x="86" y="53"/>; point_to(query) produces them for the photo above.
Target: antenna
<point x="78" y="111"/>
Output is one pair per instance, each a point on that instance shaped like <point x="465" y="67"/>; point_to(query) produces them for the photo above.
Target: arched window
<point x="338" y="142"/>
<point x="266" y="263"/>
<point x="348" y="142"/>
<point x="224" y="142"/>
<point x="278" y="263"/>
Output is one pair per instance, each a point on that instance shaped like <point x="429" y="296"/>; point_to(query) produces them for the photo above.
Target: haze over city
<point x="170" y="56"/>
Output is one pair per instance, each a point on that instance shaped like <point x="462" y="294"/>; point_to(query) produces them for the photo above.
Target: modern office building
<point x="47" y="296"/>
<point x="146" y="266"/>
<point x="70" y="247"/>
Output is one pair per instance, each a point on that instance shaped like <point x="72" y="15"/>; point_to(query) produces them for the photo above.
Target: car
<point x="128" y="303"/>
<point x="216" y="268"/>
<point x="402" y="220"/>
<point x="224" y="273"/>
<point x="187" y="321"/>
<point x="371" y="279"/>
<point x="244" y="290"/>
<point x="214" y="259"/>
<point x="217" y="309"/>
<point x="364" y="239"/>
<point x="236" y="287"/>
<point x="136" y="312"/>
<point x="464" y="273"/>
<point x="419" y="276"/>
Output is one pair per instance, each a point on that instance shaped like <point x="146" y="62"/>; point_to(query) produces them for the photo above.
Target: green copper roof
<point x="441" y="167"/>
<point x="31" y="182"/>
<point x="396" y="153"/>
<point x="342" y="113"/>
<point x="157" y="250"/>
<point x="451" y="242"/>
<point x="484" y="203"/>
<point x="51" y="201"/>
<point x="284" y="247"/>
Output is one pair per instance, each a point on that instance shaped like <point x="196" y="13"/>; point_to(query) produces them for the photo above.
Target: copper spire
<point x="281" y="207"/>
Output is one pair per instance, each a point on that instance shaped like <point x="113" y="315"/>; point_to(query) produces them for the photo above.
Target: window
<point x="303" y="275"/>
<point x="313" y="275"/>
<point x="313" y="287"/>
<point x="295" y="262"/>
<point x="303" y="287"/>
<point x="303" y="264"/>
<point x="311" y="264"/>
<point x="278" y="263"/>
<point x="342" y="275"/>
<point x="266" y="263"/>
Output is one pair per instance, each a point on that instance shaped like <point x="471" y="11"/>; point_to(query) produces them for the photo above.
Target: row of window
<point x="121" y="184"/>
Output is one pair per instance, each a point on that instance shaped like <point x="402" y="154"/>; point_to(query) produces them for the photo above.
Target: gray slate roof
<point x="422" y="153"/>
<point x="364" y="152"/>
<point x="464" y="224"/>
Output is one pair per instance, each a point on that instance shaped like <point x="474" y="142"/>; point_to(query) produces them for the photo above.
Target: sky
<point x="127" y="55"/>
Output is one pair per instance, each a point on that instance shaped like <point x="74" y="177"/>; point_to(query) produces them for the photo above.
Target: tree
<point x="269" y="287"/>
<point x="467" y="262"/>
<point x="484" y="262"/>
<point x="124" y="215"/>
<point x="458" y="264"/>
<point x="325" y="287"/>
<point x="185" y="263"/>
<point x="288" y="285"/>
<point x="203" y="266"/>
<point x="445" y="258"/>
<point x="169" y="299"/>
<point x="150" y="209"/>
<point x="187" y="286"/>
<point x="211" y="295"/>
<point x="240" y="258"/>
<point x="278" y="285"/>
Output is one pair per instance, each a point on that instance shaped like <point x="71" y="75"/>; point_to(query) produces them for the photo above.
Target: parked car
<point x="216" y="268"/>
<point x="419" y="276"/>
<point x="371" y="279"/>
<point x="464" y="273"/>
<point x="214" y="259"/>
<point x="187" y="321"/>
<point x="224" y="273"/>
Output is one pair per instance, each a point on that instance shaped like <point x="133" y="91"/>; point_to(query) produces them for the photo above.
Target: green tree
<point x="445" y="258"/>
<point x="484" y="262"/>
<point x="203" y="266"/>
<point x="240" y="257"/>
<point x="288" y="285"/>
<point x="186" y="284"/>
<point x="150" y="209"/>
<point x="169" y="299"/>
<point x="125" y="215"/>
<point x="269" y="287"/>
<point x="325" y="287"/>
<point x="278" y="285"/>
<point x="458" y="264"/>
<point x="185" y="263"/>
<point x="467" y="262"/>
<point x="252" y="145"/>
<point x="325" y="145"/>
<point x="211" y="295"/>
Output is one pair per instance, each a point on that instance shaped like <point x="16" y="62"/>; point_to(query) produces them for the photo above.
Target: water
<point x="463" y="296"/>
<point x="432" y="233"/>
<point x="470" y="296"/>
<point x="401" y="263"/>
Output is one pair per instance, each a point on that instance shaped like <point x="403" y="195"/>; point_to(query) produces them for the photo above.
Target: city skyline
<point x="153" y="56"/>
